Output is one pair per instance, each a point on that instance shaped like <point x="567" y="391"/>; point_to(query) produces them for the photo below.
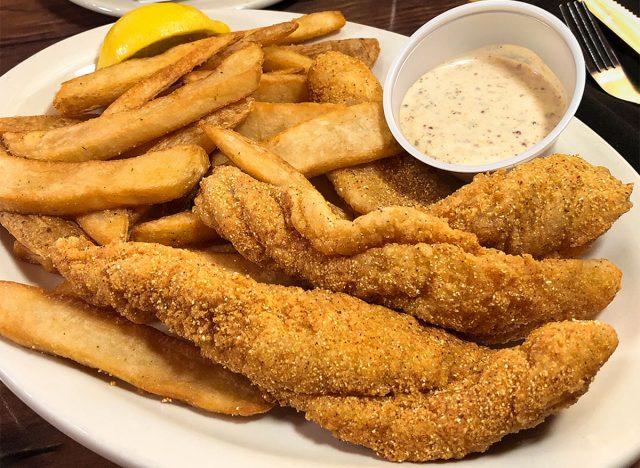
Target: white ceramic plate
<point x="600" y="430"/>
<point x="120" y="7"/>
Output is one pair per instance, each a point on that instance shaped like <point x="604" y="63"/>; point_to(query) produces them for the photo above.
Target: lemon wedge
<point x="152" y="29"/>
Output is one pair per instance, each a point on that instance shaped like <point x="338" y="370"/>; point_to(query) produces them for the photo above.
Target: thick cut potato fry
<point x="108" y="136"/>
<point x="140" y="355"/>
<point x="366" y="50"/>
<point x="196" y="75"/>
<point x="56" y="188"/>
<point x="37" y="234"/>
<point x="175" y="230"/>
<point x="268" y="119"/>
<point x="315" y="25"/>
<point x="338" y="139"/>
<point x="289" y="71"/>
<point x="280" y="58"/>
<point x="263" y="36"/>
<point x="101" y="87"/>
<point x="28" y="123"/>
<point x="275" y="87"/>
<point x="268" y="35"/>
<point x="150" y="87"/>
<point x="227" y="117"/>
<point x="256" y="160"/>
<point x="109" y="226"/>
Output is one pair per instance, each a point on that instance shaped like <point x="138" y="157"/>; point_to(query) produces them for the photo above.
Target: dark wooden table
<point x="27" y="26"/>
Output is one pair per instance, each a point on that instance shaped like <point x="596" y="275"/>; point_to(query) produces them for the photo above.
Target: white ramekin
<point x="470" y="27"/>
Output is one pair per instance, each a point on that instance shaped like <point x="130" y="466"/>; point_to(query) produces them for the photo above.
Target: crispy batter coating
<point x="369" y="375"/>
<point x="317" y="221"/>
<point x="395" y="181"/>
<point x="547" y="206"/>
<point x="285" y="339"/>
<point x="488" y="295"/>
<point x="312" y="218"/>
<point x="340" y="79"/>
<point x="516" y="390"/>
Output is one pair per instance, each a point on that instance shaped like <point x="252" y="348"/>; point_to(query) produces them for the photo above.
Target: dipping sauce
<point x="488" y="105"/>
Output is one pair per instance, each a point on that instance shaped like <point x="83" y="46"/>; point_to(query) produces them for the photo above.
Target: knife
<point x="621" y="21"/>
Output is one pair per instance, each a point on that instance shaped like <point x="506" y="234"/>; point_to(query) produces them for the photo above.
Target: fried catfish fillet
<point x="371" y="376"/>
<point x="314" y="218"/>
<point x="487" y="295"/>
<point x="311" y="342"/>
<point x="395" y="181"/>
<point x="550" y="371"/>
<point x="552" y="205"/>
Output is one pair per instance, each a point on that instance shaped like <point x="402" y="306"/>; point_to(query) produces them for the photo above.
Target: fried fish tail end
<point x="517" y="390"/>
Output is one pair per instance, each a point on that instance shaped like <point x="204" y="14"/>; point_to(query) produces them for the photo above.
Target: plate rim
<point x="103" y="6"/>
<point x="112" y="453"/>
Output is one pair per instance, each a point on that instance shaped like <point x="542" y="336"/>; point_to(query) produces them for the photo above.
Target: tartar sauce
<point x="488" y="105"/>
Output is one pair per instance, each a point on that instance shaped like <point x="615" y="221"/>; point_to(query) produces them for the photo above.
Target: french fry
<point x="108" y="136"/>
<point x="150" y="87"/>
<point x="176" y="230"/>
<point x="36" y="235"/>
<point x="279" y="58"/>
<point x="28" y="123"/>
<point x="268" y="35"/>
<point x="200" y="74"/>
<point x="56" y="188"/>
<point x="106" y="226"/>
<point x="196" y="75"/>
<point x="314" y="25"/>
<point x="282" y="88"/>
<point x="109" y="226"/>
<point x="289" y="71"/>
<point x="227" y="117"/>
<point x="366" y="50"/>
<point x="254" y="159"/>
<point x="338" y="139"/>
<point x="263" y="36"/>
<point x="102" y="87"/>
<point x="268" y="119"/>
<point x="140" y="355"/>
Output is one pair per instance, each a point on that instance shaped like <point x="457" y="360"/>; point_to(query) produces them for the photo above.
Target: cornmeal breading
<point x="516" y="389"/>
<point x="488" y="295"/>
<point x="368" y="374"/>
<point x="395" y="181"/>
<point x="546" y="206"/>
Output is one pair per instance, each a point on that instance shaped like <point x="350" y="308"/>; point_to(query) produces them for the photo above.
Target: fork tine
<point x="600" y="60"/>
<point x="589" y="38"/>
<point x="588" y="19"/>
<point x="591" y="60"/>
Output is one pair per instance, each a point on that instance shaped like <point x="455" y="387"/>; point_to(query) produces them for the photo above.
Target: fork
<point x="600" y="60"/>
